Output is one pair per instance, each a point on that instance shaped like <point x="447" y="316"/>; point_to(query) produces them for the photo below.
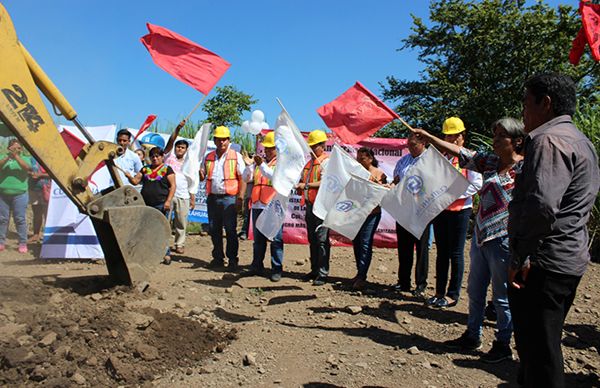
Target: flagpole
<point x="288" y="113"/>
<point x="405" y="123"/>
<point x="196" y="107"/>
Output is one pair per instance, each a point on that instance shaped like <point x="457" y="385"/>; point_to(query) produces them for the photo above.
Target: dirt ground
<point x="61" y="324"/>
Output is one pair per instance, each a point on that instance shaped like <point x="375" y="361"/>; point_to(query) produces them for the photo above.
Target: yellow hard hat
<point x="269" y="140"/>
<point x="315" y="137"/>
<point x="452" y="126"/>
<point x="222" y="132"/>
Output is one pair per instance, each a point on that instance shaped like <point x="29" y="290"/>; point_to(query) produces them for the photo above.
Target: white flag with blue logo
<point x="291" y="155"/>
<point x="353" y="205"/>
<point x="272" y="217"/>
<point x="428" y="187"/>
<point x="193" y="158"/>
<point x="340" y="166"/>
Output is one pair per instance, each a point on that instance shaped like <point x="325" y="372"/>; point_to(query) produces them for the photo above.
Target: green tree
<point x="227" y="106"/>
<point x="476" y="56"/>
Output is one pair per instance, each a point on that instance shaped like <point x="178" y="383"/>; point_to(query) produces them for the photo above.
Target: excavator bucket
<point x="134" y="237"/>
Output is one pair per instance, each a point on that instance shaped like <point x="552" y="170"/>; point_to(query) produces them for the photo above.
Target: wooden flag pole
<point x="405" y="123"/>
<point x="195" y="108"/>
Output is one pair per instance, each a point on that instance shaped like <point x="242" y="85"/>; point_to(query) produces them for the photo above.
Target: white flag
<point x="291" y="155"/>
<point x="272" y="217"/>
<point x="353" y="205"/>
<point x="334" y="178"/>
<point x="193" y="158"/>
<point x="284" y="118"/>
<point x="428" y="187"/>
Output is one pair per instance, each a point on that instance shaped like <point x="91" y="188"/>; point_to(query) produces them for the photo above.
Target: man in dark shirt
<point x="551" y="205"/>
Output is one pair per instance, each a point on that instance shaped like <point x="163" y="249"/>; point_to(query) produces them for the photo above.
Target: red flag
<point x="589" y="33"/>
<point x="356" y="114"/>
<point x="183" y="59"/>
<point x="144" y="126"/>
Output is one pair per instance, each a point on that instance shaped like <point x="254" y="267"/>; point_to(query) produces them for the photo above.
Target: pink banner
<point x="387" y="152"/>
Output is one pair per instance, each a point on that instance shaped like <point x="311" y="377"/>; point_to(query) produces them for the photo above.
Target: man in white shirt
<point x="260" y="172"/>
<point x="128" y="161"/>
<point x="223" y="170"/>
<point x="183" y="200"/>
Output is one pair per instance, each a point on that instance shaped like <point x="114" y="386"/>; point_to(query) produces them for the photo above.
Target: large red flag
<point x="356" y="114"/>
<point x="589" y="33"/>
<point x="144" y="126"/>
<point x="183" y="59"/>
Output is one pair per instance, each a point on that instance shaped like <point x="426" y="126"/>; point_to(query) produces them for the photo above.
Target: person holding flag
<point x="489" y="253"/>
<point x="260" y="172"/>
<point x="407" y="243"/>
<point x="223" y="170"/>
<point x="184" y="200"/>
<point x="363" y="242"/>
<point x="450" y="227"/>
<point x="318" y="236"/>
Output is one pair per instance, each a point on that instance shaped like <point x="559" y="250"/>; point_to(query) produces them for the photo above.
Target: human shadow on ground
<point x="582" y="336"/>
<point x="505" y="370"/>
<point x="290" y="299"/>
<point x="509" y="370"/>
<point x="194" y="261"/>
<point x="382" y="336"/>
<point x="232" y="317"/>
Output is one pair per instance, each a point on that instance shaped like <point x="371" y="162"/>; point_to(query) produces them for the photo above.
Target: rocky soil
<point x="62" y="324"/>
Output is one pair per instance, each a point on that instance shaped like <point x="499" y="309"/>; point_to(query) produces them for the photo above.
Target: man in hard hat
<point x="223" y="170"/>
<point x="318" y="238"/>
<point x="184" y="200"/>
<point x="450" y="227"/>
<point x="260" y="172"/>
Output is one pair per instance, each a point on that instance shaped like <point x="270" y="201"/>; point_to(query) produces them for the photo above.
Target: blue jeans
<point x="363" y="244"/>
<point x="222" y="213"/>
<point x="259" y="248"/>
<point x="18" y="205"/>
<point x="318" y="241"/>
<point x="489" y="262"/>
<point x="450" y="229"/>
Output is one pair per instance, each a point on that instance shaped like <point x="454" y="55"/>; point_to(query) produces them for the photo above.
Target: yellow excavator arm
<point x="134" y="237"/>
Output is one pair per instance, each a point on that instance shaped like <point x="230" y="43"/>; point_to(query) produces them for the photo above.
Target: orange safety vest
<point x="459" y="203"/>
<point x="230" y="174"/>
<point x="262" y="190"/>
<point x="312" y="173"/>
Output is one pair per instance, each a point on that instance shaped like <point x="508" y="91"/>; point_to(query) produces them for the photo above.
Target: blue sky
<point x="304" y="52"/>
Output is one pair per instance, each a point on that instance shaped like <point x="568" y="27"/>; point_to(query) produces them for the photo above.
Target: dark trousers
<point x="538" y="312"/>
<point x="406" y="246"/>
<point x="319" y="243"/>
<point x="363" y="244"/>
<point x="223" y="213"/>
<point x="450" y="229"/>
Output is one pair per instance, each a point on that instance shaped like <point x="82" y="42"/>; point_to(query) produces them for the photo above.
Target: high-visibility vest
<point x="312" y="173"/>
<point x="459" y="204"/>
<point x="262" y="190"/>
<point x="230" y="173"/>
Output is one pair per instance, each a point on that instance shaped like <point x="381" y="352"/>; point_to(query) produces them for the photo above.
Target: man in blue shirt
<point x="406" y="241"/>
<point x="128" y="161"/>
